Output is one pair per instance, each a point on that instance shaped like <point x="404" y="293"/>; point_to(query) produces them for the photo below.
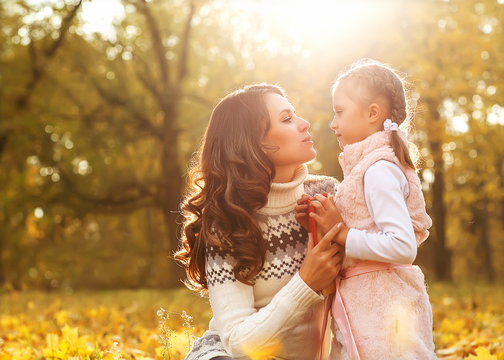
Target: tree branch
<point x="182" y="71"/>
<point x="126" y="195"/>
<point x="39" y="67"/>
<point x="143" y="122"/>
<point x="157" y="43"/>
<point x="145" y="78"/>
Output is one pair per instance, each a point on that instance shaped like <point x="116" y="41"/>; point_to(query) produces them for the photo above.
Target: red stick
<point x="312" y="224"/>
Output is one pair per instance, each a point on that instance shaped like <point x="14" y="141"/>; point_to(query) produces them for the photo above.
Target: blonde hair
<point x="371" y="79"/>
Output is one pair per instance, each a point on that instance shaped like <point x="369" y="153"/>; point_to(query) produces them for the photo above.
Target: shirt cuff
<point x="352" y="243"/>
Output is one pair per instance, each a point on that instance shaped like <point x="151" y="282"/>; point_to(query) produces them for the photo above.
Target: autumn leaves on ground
<point x="147" y="324"/>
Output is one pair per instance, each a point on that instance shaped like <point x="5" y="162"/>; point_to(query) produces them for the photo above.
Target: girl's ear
<point x="375" y="113"/>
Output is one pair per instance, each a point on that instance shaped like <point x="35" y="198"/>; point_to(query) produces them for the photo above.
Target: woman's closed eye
<point x="288" y="117"/>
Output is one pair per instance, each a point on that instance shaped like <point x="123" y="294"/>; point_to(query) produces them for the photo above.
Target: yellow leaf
<point x="61" y="317"/>
<point x="482" y="354"/>
<point x="71" y="335"/>
<point x="52" y="349"/>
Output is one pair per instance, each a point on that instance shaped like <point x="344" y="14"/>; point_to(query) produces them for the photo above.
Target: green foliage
<point x="97" y="130"/>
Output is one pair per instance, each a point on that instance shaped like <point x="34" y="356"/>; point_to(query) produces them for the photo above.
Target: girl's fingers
<point x="301" y="208"/>
<point x="322" y="199"/>
<point x="304" y="198"/>
<point x="318" y="206"/>
<point x="316" y="216"/>
<point x="330" y="205"/>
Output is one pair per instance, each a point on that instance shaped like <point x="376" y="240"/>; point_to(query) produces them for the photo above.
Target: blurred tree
<point x="28" y="59"/>
<point x="96" y="129"/>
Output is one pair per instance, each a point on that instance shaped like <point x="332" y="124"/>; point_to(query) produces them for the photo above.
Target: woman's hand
<point x="323" y="261"/>
<point x="326" y="213"/>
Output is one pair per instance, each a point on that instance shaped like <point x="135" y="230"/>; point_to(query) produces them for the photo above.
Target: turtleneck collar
<point x="283" y="196"/>
<point x="353" y="153"/>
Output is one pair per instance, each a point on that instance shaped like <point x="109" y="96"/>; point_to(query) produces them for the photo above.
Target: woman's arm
<point x="244" y="328"/>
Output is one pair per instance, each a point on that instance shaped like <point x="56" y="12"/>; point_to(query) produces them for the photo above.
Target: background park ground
<point x="129" y="324"/>
<point x="103" y="105"/>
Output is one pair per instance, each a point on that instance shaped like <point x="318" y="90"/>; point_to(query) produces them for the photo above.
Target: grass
<point x="151" y="324"/>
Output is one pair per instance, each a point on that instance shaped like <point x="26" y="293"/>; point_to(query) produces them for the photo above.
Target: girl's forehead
<point x="340" y="94"/>
<point x="348" y="91"/>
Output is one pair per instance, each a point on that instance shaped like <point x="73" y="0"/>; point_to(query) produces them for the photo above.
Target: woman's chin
<point x="311" y="156"/>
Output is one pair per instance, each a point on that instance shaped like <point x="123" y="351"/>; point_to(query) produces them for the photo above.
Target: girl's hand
<point x="323" y="261"/>
<point x="327" y="214"/>
<point x="302" y="211"/>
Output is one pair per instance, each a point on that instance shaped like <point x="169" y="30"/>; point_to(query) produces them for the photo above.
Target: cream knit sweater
<point x="278" y="317"/>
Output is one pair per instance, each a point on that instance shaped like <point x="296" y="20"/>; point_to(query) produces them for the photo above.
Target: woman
<point x="241" y="242"/>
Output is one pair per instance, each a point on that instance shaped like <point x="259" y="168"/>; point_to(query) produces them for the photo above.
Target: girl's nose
<point x="333" y="125"/>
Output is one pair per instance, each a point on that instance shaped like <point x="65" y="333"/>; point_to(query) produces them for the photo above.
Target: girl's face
<point x="351" y="122"/>
<point x="288" y="142"/>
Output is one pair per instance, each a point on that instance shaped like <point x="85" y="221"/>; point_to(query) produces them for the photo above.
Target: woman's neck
<point x="283" y="196"/>
<point x="284" y="174"/>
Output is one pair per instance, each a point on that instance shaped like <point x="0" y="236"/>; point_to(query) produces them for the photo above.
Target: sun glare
<point x="314" y="20"/>
<point x="99" y="16"/>
<point x="320" y="19"/>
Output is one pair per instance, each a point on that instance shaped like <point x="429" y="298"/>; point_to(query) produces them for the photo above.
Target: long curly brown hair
<point x="229" y="181"/>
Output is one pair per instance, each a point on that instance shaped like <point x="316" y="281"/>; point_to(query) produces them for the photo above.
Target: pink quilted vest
<point x="355" y="160"/>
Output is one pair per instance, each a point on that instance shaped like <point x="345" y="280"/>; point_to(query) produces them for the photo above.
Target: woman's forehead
<point x="277" y="104"/>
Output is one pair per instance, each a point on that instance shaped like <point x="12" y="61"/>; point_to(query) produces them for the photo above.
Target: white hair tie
<point x="389" y="125"/>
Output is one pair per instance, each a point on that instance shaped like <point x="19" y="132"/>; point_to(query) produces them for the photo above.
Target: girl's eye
<point x="287" y="119"/>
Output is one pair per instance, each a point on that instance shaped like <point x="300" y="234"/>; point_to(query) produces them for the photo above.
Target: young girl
<point x="381" y="309"/>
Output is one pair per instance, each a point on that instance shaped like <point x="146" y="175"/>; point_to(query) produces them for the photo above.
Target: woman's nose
<point x="303" y="124"/>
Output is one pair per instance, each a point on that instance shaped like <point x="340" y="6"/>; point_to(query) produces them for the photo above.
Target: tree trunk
<point x="2" y="247"/>
<point x="442" y="255"/>
<point x="486" y="248"/>
<point x="171" y="190"/>
<point x="500" y="166"/>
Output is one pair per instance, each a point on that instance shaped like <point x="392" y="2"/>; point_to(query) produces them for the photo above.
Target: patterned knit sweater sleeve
<point x="243" y="328"/>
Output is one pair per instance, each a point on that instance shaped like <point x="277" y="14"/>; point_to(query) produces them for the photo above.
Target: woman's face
<point x="288" y="142"/>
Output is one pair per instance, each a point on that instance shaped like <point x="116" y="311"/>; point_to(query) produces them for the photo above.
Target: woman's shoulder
<point x="319" y="184"/>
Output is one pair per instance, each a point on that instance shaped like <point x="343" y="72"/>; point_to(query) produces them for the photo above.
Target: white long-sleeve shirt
<point x="385" y="190"/>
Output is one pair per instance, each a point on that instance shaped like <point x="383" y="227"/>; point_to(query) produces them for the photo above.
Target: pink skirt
<point x="390" y="316"/>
